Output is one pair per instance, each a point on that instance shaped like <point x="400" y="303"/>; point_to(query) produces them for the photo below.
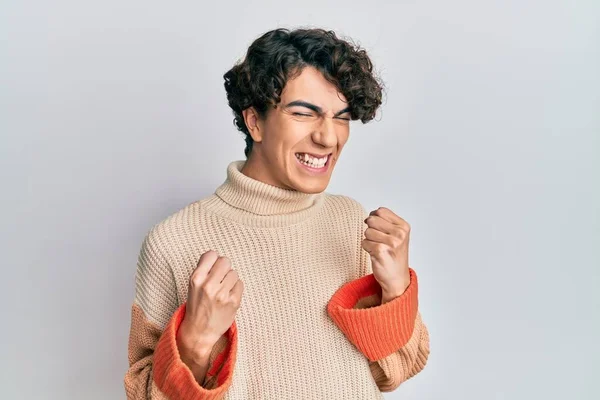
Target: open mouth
<point x="313" y="162"/>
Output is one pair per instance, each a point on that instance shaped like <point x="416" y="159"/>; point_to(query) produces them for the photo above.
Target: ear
<point x="253" y="123"/>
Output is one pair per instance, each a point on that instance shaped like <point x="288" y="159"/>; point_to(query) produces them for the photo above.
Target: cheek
<point x="293" y="133"/>
<point x="343" y="136"/>
<point x="285" y="137"/>
<point x="280" y="135"/>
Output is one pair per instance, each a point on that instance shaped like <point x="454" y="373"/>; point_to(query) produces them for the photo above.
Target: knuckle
<point x="400" y="233"/>
<point x="210" y="292"/>
<point x="208" y="253"/>
<point x="205" y="257"/>
<point x="196" y="280"/>
<point x="221" y="298"/>
<point x="224" y="259"/>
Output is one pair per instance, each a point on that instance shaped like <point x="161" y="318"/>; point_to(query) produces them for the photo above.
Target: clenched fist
<point x="214" y="296"/>
<point x="386" y="240"/>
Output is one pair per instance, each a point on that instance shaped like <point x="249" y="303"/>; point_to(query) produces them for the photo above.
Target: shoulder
<point x="346" y="204"/>
<point x="164" y="245"/>
<point x="174" y="230"/>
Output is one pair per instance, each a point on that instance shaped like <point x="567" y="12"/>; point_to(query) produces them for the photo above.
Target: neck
<point x="258" y="169"/>
<point x="254" y="202"/>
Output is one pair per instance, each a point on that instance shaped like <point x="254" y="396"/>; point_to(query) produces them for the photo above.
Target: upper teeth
<point x="312" y="161"/>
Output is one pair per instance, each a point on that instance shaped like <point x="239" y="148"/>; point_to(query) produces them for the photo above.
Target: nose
<point x="324" y="133"/>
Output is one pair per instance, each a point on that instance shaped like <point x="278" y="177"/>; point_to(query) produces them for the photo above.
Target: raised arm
<point x="391" y="335"/>
<point x="156" y="369"/>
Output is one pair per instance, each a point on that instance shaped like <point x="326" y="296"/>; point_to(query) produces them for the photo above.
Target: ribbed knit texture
<point x="311" y="324"/>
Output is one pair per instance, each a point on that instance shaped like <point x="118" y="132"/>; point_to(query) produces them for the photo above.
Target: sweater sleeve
<point x="392" y="336"/>
<point x="156" y="371"/>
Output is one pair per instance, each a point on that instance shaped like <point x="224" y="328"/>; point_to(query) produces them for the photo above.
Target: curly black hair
<point x="281" y="54"/>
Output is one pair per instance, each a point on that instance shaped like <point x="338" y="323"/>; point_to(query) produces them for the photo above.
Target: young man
<point x="272" y="288"/>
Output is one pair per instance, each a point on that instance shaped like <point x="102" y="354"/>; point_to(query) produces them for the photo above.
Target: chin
<point x="316" y="188"/>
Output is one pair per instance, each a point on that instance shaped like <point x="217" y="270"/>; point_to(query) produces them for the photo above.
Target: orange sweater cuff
<point x="175" y="379"/>
<point x="377" y="331"/>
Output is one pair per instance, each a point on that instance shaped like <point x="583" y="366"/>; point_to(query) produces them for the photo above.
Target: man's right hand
<point x="214" y="296"/>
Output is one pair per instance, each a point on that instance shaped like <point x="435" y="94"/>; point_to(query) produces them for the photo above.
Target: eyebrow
<point x="313" y="107"/>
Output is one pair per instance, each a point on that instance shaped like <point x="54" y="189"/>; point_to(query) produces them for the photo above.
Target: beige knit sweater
<point x="310" y="325"/>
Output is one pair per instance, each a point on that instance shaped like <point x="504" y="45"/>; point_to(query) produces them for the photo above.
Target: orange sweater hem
<point x="172" y="376"/>
<point x="377" y="331"/>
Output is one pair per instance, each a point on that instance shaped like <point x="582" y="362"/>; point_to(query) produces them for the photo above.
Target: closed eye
<point x="310" y="115"/>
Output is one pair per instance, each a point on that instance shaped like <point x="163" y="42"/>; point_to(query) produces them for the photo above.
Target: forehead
<point x="310" y="85"/>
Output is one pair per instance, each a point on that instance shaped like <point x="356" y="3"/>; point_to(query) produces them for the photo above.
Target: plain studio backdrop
<point x="113" y="115"/>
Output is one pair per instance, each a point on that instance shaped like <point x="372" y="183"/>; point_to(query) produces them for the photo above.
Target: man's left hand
<point x="386" y="241"/>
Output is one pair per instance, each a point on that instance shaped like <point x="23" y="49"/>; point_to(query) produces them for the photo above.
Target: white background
<point x="113" y="115"/>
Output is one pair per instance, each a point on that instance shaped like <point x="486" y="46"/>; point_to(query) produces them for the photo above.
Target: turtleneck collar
<point x="253" y="202"/>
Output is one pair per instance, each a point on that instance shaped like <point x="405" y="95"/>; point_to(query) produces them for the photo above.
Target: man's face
<point x="312" y="119"/>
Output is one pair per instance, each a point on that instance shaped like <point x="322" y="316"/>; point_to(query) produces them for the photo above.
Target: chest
<point x="279" y="268"/>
